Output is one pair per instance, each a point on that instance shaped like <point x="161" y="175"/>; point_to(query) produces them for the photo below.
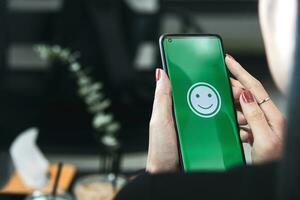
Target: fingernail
<point x="157" y="74"/>
<point x="229" y="56"/>
<point x="247" y="96"/>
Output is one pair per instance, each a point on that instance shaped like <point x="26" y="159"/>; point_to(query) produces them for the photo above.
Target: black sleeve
<point x="248" y="182"/>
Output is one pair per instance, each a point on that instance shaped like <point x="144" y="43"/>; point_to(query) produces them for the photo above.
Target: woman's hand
<point x="162" y="151"/>
<point x="260" y="125"/>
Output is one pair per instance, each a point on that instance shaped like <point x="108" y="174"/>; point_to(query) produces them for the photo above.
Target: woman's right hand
<point x="260" y="125"/>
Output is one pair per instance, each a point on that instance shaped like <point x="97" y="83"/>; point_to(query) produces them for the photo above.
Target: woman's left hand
<point x="163" y="150"/>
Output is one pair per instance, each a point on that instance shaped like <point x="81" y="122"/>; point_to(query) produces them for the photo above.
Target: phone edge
<point x="163" y="60"/>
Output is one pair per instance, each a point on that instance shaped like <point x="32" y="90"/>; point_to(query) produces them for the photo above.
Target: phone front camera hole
<point x="170" y="40"/>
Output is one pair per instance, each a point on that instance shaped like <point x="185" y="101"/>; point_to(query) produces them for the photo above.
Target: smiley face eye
<point x="197" y="95"/>
<point x="209" y="95"/>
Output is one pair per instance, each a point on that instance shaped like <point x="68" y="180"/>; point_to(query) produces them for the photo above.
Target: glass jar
<point x="98" y="187"/>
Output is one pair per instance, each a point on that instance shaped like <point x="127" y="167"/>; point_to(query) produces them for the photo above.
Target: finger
<point x="246" y="79"/>
<point x="273" y="115"/>
<point x="236" y="83"/>
<point x="241" y="118"/>
<point x="162" y="105"/>
<point x="254" y="116"/>
<point x="246" y="136"/>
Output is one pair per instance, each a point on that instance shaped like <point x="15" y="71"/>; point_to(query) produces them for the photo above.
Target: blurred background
<point x="118" y="41"/>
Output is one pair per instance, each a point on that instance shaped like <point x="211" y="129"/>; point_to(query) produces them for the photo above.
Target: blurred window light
<point x="35" y="5"/>
<point x="144" y="6"/>
<point x="146" y="56"/>
<point x="171" y="23"/>
<point x="22" y="57"/>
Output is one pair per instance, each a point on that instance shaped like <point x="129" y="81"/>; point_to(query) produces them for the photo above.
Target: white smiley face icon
<point x="204" y="100"/>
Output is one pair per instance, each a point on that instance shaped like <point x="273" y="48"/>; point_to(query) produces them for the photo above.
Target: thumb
<point x="162" y="105"/>
<point x="254" y="115"/>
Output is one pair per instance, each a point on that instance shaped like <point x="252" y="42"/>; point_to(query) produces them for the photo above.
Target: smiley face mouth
<point x="205" y="107"/>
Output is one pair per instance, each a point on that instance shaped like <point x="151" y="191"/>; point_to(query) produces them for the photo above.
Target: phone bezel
<point x="164" y="65"/>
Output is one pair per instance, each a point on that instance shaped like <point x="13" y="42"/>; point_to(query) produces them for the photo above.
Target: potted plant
<point x="105" y="125"/>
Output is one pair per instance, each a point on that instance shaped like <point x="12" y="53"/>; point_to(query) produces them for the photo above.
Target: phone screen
<point x="202" y="99"/>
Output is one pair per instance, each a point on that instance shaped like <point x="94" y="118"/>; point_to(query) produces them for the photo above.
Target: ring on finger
<point x="264" y="100"/>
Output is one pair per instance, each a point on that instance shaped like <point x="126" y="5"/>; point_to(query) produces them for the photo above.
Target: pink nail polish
<point x="157" y="74"/>
<point x="247" y="96"/>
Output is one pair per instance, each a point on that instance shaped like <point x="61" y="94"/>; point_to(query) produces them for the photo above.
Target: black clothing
<point x="248" y="182"/>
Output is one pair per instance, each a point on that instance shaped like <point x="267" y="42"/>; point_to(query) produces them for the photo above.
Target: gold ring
<point x="264" y="101"/>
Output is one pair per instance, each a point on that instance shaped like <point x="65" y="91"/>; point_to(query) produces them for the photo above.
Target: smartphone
<point x="203" y="105"/>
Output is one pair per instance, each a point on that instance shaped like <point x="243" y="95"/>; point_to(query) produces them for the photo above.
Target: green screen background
<point x="205" y="143"/>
